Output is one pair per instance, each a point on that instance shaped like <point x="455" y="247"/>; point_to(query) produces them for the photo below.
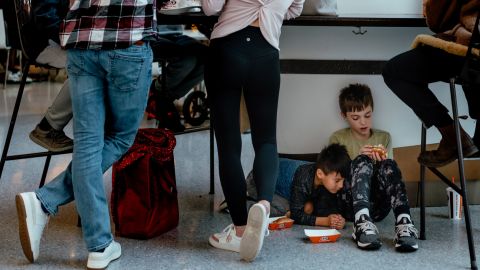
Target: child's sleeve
<point x="388" y="145"/>
<point x="298" y="198"/>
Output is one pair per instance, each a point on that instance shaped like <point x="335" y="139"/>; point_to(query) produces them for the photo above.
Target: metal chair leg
<point x="13" y="119"/>
<point x="471" y="247"/>
<point x="6" y="70"/>
<point x="422" y="184"/>
<point x="45" y="170"/>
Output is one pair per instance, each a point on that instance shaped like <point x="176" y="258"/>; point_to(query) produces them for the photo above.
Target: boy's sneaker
<point x="31" y="223"/>
<point x="52" y="139"/>
<point x="365" y="233"/>
<point x="252" y="239"/>
<point x="100" y="260"/>
<point x="227" y="239"/>
<point x="405" y="236"/>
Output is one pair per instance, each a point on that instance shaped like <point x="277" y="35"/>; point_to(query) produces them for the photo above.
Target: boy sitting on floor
<point x="326" y="193"/>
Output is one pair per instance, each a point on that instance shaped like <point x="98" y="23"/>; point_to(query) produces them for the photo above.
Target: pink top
<point x="238" y="14"/>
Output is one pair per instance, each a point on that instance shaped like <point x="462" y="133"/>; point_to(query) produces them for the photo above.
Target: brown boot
<point x="447" y="150"/>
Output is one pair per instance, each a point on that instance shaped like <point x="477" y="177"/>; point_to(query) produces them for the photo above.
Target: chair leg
<point x="6" y="70"/>
<point x="45" y="170"/>
<point x="471" y="246"/>
<point x="422" y="185"/>
<point x="14" y="117"/>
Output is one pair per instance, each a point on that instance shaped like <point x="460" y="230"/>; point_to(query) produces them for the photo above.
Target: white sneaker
<point x="31" y="222"/>
<point x="252" y="239"/>
<point x="100" y="260"/>
<point x="176" y="7"/>
<point x="227" y="239"/>
<point x="17" y="77"/>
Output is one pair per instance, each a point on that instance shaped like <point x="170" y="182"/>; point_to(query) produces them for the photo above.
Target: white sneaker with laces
<point x="31" y="223"/>
<point x="227" y="239"/>
<point x="252" y="239"/>
<point x="100" y="260"/>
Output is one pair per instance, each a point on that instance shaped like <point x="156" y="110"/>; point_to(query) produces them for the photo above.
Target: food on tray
<point x="278" y="223"/>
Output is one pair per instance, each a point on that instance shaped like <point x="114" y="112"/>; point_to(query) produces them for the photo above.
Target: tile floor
<point x="186" y="247"/>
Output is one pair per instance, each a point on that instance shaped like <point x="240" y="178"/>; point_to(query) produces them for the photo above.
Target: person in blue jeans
<point x="109" y="75"/>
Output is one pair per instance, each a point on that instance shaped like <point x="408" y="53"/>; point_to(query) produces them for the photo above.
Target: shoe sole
<point x="367" y="246"/>
<point x="23" y="228"/>
<point x="44" y="145"/>
<point x="471" y="151"/>
<point x="252" y="239"/>
<point x="406" y="248"/>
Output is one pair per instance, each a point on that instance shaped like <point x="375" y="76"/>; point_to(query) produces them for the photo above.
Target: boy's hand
<point x="336" y="221"/>
<point x="375" y="152"/>
<point x="366" y="150"/>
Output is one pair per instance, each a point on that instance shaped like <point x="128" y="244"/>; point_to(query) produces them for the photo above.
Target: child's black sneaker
<point x="365" y="233"/>
<point x="405" y="236"/>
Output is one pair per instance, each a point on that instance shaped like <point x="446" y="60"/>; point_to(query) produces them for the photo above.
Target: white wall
<point x="308" y="108"/>
<point x="379" y="6"/>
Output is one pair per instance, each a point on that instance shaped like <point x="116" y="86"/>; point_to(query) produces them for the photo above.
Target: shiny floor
<point x="186" y="247"/>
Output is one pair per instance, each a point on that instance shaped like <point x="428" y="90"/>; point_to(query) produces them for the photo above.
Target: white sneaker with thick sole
<point x="31" y="223"/>
<point x="100" y="260"/>
<point x="227" y="239"/>
<point x="252" y="239"/>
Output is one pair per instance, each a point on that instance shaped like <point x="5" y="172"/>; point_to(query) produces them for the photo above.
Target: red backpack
<point x="144" y="193"/>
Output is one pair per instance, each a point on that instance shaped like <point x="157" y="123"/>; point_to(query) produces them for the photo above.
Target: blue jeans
<point x="109" y="93"/>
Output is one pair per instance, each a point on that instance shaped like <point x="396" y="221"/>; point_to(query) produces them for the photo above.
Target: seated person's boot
<point x="476" y="140"/>
<point x="447" y="150"/>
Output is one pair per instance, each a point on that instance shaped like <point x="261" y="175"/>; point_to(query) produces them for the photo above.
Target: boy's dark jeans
<point x="408" y="75"/>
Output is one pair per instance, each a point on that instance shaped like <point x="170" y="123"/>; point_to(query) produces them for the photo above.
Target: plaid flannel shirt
<point x="108" y="24"/>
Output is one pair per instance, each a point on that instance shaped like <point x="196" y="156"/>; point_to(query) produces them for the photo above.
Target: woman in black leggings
<point x="244" y="62"/>
<point x="244" y="58"/>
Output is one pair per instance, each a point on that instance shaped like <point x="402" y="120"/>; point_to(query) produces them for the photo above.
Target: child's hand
<point x="379" y="152"/>
<point x="366" y="150"/>
<point x="336" y="221"/>
<point x="375" y="152"/>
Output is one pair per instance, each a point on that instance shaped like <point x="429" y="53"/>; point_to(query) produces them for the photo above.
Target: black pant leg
<point x="408" y="75"/>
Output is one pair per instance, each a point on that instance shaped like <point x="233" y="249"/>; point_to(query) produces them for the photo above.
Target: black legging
<point x="408" y="75"/>
<point x="244" y="61"/>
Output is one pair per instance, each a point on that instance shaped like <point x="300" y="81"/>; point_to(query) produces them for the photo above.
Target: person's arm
<point x="212" y="7"/>
<point x="298" y="197"/>
<point x="322" y="221"/>
<point x="48" y="14"/>
<point x="294" y="10"/>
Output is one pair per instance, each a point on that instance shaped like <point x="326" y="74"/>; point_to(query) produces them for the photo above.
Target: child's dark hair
<point x="355" y="97"/>
<point x="334" y="158"/>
